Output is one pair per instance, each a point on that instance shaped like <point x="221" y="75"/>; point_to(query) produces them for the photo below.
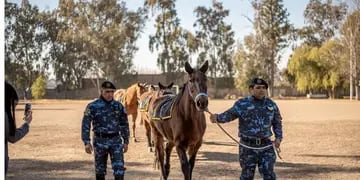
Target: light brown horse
<point x="186" y="126"/>
<point x="130" y="99"/>
<point x="148" y="98"/>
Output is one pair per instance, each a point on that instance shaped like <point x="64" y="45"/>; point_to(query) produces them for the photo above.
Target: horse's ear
<point x="204" y="67"/>
<point x="170" y="86"/>
<point x="141" y="84"/>
<point x="188" y="68"/>
<point x="161" y="86"/>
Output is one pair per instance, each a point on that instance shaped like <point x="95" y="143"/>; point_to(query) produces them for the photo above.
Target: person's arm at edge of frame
<point x="85" y="129"/>
<point x="277" y="127"/>
<point x="21" y="131"/>
<point x="227" y="116"/>
<point x="124" y="128"/>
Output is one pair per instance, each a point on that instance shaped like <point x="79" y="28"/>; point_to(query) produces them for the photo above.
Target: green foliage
<point x="38" y="88"/>
<point x="170" y="39"/>
<point x="318" y="68"/>
<point x="92" y="37"/>
<point x="216" y="39"/>
<point x="249" y="60"/>
<point x="323" y="19"/>
<point x="24" y="44"/>
<point x="272" y="25"/>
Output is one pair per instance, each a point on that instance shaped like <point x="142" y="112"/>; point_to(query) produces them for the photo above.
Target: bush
<point x="38" y="88"/>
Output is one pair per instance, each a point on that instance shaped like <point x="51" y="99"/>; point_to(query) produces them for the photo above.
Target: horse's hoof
<point x="135" y="140"/>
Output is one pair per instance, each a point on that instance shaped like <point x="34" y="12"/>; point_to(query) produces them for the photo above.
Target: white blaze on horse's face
<point x="140" y="90"/>
<point x="197" y="85"/>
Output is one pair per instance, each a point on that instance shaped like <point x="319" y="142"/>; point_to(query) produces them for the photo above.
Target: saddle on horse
<point x="163" y="109"/>
<point x="144" y="104"/>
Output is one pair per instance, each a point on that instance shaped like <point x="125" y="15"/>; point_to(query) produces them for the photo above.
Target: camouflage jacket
<point x="106" y="117"/>
<point x="256" y="117"/>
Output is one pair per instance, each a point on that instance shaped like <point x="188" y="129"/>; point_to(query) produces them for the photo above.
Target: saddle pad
<point x="144" y="104"/>
<point x="163" y="110"/>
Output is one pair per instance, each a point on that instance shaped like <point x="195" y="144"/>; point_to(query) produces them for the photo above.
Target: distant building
<point x="52" y="84"/>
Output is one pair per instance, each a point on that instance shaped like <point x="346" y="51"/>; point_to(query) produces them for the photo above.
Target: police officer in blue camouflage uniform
<point x="257" y="114"/>
<point x="111" y="132"/>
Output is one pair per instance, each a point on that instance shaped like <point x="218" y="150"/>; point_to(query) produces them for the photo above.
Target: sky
<point x="146" y="62"/>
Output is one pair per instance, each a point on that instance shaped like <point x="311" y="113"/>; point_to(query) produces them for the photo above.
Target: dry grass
<point x="321" y="141"/>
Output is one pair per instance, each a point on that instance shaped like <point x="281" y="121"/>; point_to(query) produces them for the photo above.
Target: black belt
<point x="255" y="141"/>
<point x="106" y="135"/>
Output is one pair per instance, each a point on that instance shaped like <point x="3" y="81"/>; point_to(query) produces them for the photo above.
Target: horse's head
<point x="197" y="85"/>
<point x="151" y="88"/>
<point x="165" y="90"/>
<point x="140" y="89"/>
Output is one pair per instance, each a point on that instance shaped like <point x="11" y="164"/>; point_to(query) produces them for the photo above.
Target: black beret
<point x="108" y="85"/>
<point x="258" y="81"/>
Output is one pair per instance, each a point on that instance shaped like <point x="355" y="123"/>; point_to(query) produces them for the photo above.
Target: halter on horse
<point x="186" y="126"/>
<point x="129" y="98"/>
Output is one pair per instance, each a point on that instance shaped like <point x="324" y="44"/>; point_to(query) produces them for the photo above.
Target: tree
<point x="68" y="48"/>
<point x="333" y="59"/>
<point x="249" y="59"/>
<point x="306" y="70"/>
<point x="323" y="18"/>
<point x="169" y="40"/>
<point x="38" y="88"/>
<point x="112" y="30"/>
<point x="96" y="37"/>
<point x="351" y="36"/>
<point x="272" y="24"/>
<point x="216" y="40"/>
<point x="317" y="69"/>
<point x="24" y="44"/>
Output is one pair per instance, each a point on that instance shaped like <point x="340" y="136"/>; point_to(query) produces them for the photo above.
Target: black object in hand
<point x="27" y="108"/>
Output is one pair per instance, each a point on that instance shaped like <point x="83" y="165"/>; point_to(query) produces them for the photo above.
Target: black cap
<point x="108" y="85"/>
<point x="258" y="81"/>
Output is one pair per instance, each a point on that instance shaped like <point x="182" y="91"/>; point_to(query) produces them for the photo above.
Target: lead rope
<point x="236" y="141"/>
<point x="277" y="150"/>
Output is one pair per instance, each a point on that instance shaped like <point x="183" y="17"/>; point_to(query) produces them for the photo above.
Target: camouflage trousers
<point x="103" y="147"/>
<point x="264" y="159"/>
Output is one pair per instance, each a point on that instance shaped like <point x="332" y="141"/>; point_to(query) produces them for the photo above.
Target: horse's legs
<point x="133" y="118"/>
<point x="185" y="166"/>
<point x="192" y="156"/>
<point x="168" y="149"/>
<point x="159" y="152"/>
<point x="148" y="134"/>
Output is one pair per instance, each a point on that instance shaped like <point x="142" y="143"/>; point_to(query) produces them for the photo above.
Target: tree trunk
<point x="351" y="68"/>
<point x="356" y="77"/>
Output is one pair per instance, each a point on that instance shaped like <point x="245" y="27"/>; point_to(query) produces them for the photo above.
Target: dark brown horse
<point x="129" y="98"/>
<point x="145" y="100"/>
<point x="185" y="127"/>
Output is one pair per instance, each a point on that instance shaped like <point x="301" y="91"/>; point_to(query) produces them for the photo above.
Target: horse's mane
<point x="132" y="86"/>
<point x="180" y="94"/>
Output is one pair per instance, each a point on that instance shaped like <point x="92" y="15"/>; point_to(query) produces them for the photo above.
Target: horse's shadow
<point x="307" y="170"/>
<point x="284" y="169"/>
<point x="218" y="156"/>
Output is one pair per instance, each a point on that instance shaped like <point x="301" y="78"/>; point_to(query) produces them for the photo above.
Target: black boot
<point x="100" y="177"/>
<point x="119" y="177"/>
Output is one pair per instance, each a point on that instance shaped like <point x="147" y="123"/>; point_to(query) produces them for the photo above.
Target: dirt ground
<point x="321" y="141"/>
